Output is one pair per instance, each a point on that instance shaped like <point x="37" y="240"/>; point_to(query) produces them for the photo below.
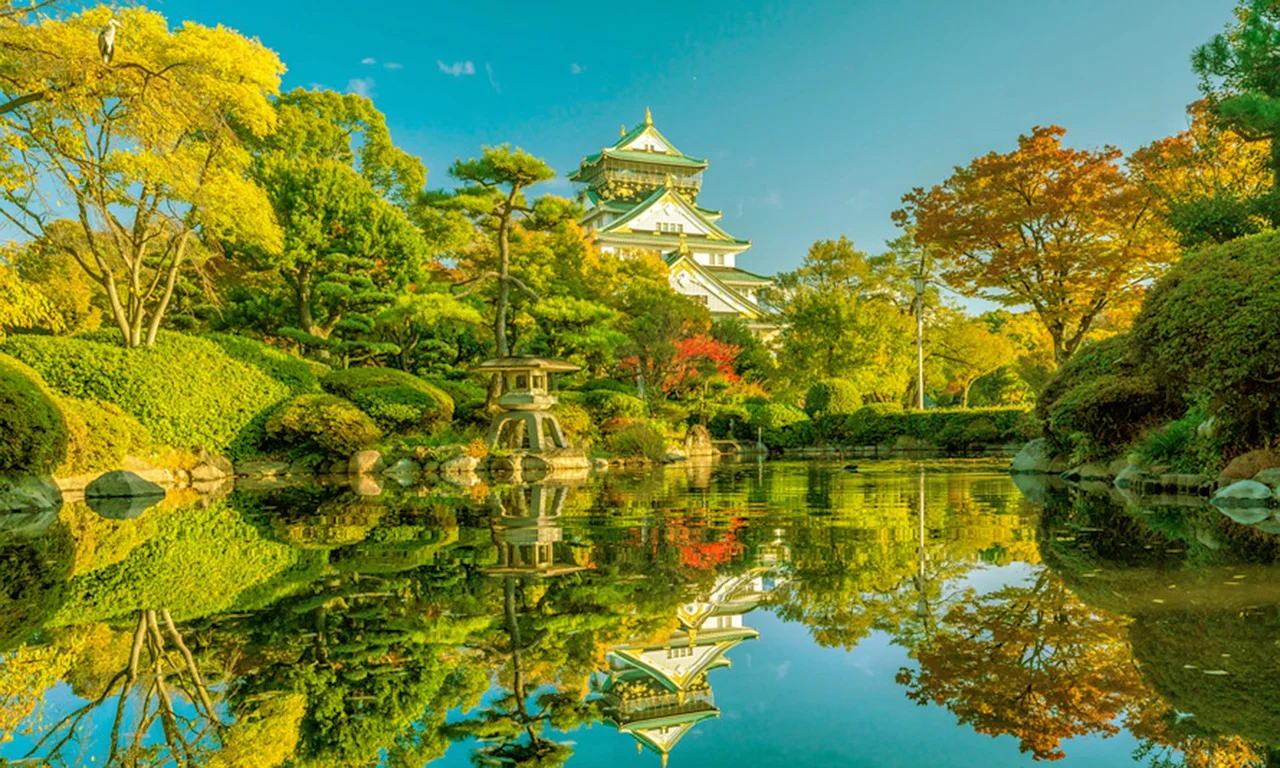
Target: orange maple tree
<point x="1030" y="661"/>
<point x="1065" y="231"/>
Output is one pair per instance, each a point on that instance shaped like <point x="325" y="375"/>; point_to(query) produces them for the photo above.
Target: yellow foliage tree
<point x="139" y="143"/>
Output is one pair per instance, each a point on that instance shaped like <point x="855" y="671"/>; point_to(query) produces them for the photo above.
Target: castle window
<point x="717" y="259"/>
<point x="672" y="227"/>
<point x="700" y="298"/>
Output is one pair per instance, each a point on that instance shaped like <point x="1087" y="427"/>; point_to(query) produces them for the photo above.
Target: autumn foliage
<point x="1063" y="230"/>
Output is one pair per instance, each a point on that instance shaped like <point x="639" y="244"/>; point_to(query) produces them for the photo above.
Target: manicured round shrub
<point x="400" y="409"/>
<point x="1210" y="330"/>
<point x="832" y="397"/>
<point x="730" y="422"/>
<point x="782" y="426"/>
<point x="326" y="422"/>
<point x="290" y="370"/>
<point x="33" y="430"/>
<point x="346" y="383"/>
<point x="100" y="436"/>
<point x="185" y="390"/>
<point x="608" y="404"/>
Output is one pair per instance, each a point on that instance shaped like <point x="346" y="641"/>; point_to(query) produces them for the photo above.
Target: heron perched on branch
<point x="107" y="41"/>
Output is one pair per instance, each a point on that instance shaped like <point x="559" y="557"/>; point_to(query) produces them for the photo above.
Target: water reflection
<point x="493" y="625"/>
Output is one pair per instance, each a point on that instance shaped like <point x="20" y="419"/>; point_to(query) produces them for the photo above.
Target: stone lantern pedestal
<point x="525" y="424"/>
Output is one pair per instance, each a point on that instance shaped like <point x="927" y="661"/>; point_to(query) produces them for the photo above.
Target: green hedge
<point x="325" y="422"/>
<point x="1209" y="331"/>
<point x="33" y="430"/>
<point x="295" y="373"/>
<point x="638" y="440"/>
<point x="347" y="383"/>
<point x="185" y="390"/>
<point x="948" y="429"/>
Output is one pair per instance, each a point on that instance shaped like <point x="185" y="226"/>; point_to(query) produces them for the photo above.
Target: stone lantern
<point x="527" y="400"/>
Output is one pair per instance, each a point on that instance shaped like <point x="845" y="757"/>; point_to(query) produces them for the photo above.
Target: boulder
<point x="1037" y="458"/>
<point x="403" y="467"/>
<point x="1085" y="472"/>
<point x="460" y="465"/>
<point x="365" y="463"/>
<point x="1269" y="478"/>
<point x="208" y="473"/>
<point x="122" y="508"/>
<point x="1245" y="493"/>
<point x="674" y="455"/>
<point x="121" y="484"/>
<point x="147" y="471"/>
<point x="29" y="493"/>
<point x="1246" y="465"/>
<point x="697" y="442"/>
<point x="600" y="465"/>
<point x="262" y="468"/>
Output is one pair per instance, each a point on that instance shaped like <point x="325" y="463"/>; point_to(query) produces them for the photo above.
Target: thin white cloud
<point x="361" y="86"/>
<point x="493" y="81"/>
<point x="368" y="60"/>
<point x="773" y="199"/>
<point x="575" y="68"/>
<point x="457" y="68"/>
<point x="393" y="65"/>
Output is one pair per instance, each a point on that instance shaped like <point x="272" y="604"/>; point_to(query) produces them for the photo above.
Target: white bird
<point x="107" y="41"/>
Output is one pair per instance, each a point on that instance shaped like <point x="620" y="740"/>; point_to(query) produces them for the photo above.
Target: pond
<point x="772" y="614"/>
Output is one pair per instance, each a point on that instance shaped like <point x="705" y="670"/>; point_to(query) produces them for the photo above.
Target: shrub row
<point x="46" y="434"/>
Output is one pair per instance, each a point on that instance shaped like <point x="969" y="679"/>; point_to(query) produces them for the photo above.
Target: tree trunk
<point x="170" y="280"/>
<point x="968" y="385"/>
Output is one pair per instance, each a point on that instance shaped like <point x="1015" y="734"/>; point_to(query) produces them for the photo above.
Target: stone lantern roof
<point x="504" y="364"/>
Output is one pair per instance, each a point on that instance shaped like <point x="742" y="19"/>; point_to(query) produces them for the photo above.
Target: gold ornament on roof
<point x="683" y="250"/>
<point x="648" y="117"/>
<point x="622" y="131"/>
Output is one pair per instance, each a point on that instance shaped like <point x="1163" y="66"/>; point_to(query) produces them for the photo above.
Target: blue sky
<point x="816" y="116"/>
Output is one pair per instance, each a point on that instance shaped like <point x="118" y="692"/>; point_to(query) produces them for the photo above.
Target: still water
<point x="779" y="614"/>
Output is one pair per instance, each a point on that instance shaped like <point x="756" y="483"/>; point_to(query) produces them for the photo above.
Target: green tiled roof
<point x="670" y="239"/>
<point x="735" y="275"/>
<point x="659" y="158"/>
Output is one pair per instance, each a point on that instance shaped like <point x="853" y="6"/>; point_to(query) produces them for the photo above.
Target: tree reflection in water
<point x="315" y="628"/>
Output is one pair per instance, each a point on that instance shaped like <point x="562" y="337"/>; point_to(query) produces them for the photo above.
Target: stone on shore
<point x="29" y="493"/>
<point x="1246" y="493"/>
<point x="121" y="484"/>
<point x="1037" y="458"/>
<point x="262" y="468"/>
<point x="1269" y="478"/>
<point x="1246" y="465"/>
<point x="366" y="463"/>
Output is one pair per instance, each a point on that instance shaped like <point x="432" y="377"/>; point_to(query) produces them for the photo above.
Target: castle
<point x="641" y="195"/>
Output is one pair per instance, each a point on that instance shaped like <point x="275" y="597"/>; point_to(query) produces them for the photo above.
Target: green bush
<point x="346" y="383"/>
<point x="606" y="404"/>
<point x="883" y="423"/>
<point x="610" y="385"/>
<point x="399" y="410"/>
<point x="33" y="431"/>
<point x="1210" y="329"/>
<point x="1179" y="445"/>
<point x="326" y="422"/>
<point x="295" y="373"/>
<point x="468" y="397"/>
<point x="638" y="440"/>
<point x="574" y="419"/>
<point x="832" y="397"/>
<point x="185" y="390"/>
<point x="100" y="436"/>
<point x="1100" y="401"/>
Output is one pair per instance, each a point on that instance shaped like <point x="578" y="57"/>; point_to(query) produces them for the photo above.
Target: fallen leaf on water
<point x="1216" y="672"/>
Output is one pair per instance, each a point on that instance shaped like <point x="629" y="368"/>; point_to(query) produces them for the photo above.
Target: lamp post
<point x="918" y="280"/>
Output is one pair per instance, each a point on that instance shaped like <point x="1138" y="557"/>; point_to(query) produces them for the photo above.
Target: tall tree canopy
<point x="1065" y="231"/>
<point x="143" y="148"/>
<point x="845" y="317"/>
<point x="1239" y="77"/>
<point x="342" y="192"/>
